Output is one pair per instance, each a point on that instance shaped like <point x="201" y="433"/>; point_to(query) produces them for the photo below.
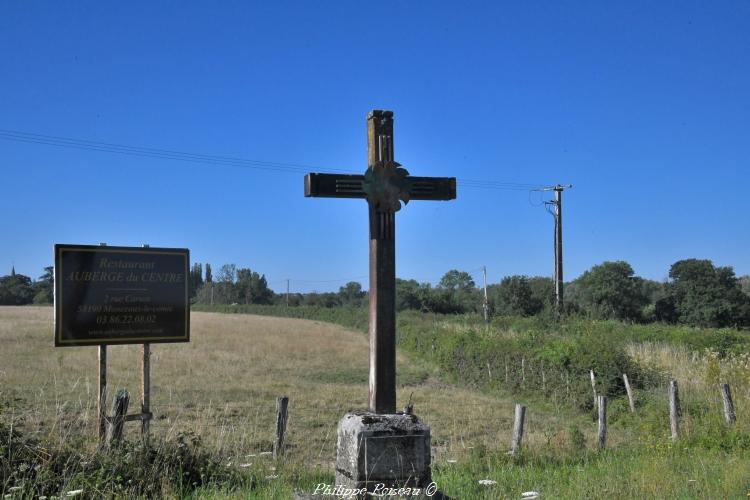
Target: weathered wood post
<point x="726" y="396"/>
<point x="117" y="420"/>
<point x="629" y="390"/>
<point x="145" y="392"/>
<point x="102" y="402"/>
<point x="602" y="430"/>
<point x="515" y="442"/>
<point x="593" y="385"/>
<point x="674" y="409"/>
<point x="282" y="403"/>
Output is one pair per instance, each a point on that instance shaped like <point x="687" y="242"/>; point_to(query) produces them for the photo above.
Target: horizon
<point x="278" y="291"/>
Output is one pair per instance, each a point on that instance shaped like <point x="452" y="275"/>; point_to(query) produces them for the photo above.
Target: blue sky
<point x="643" y="106"/>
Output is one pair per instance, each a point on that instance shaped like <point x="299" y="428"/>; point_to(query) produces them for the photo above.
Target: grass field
<point x="221" y="387"/>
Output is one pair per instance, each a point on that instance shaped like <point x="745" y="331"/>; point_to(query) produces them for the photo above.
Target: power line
<point x="328" y="281"/>
<point x="515" y="186"/>
<point x="224" y="161"/>
<point x="168" y="154"/>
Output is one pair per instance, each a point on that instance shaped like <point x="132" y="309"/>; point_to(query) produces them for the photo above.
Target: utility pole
<point x="287" y="292"/>
<point x="556" y="211"/>
<point x="486" y="305"/>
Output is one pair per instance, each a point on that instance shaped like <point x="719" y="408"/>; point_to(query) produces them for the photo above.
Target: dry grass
<point x="223" y="384"/>
<point x="698" y="375"/>
<point x="697" y="371"/>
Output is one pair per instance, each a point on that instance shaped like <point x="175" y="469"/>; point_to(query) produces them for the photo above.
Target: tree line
<point x="18" y="289"/>
<point x="696" y="293"/>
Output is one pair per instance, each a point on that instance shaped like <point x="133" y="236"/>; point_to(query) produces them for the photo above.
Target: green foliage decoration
<point x="386" y="185"/>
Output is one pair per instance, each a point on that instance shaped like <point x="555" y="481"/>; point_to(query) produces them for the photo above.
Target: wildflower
<point x="73" y="493"/>
<point x="487" y="482"/>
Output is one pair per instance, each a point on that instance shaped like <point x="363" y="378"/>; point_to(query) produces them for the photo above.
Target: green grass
<point x="628" y="472"/>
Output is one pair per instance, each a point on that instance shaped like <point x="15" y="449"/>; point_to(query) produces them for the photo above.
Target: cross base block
<point x="382" y="451"/>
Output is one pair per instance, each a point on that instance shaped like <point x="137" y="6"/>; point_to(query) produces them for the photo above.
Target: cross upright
<point x="384" y="185"/>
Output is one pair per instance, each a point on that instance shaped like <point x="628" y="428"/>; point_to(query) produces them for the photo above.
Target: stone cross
<point x="385" y="185"/>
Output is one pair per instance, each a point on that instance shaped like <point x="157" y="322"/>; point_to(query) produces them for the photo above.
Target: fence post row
<point x="111" y="428"/>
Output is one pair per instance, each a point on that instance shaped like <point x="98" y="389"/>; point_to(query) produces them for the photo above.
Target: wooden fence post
<point x="523" y="373"/>
<point x="726" y="395"/>
<point x="515" y="443"/>
<point x="602" y="434"/>
<point x="593" y="385"/>
<point x="629" y="391"/>
<point x="282" y="404"/>
<point x="674" y="409"/>
<point x="117" y="420"/>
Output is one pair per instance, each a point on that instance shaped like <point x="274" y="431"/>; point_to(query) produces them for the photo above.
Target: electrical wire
<point x="224" y="161"/>
<point x="168" y="154"/>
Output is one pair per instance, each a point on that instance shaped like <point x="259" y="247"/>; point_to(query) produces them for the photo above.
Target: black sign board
<point x="120" y="295"/>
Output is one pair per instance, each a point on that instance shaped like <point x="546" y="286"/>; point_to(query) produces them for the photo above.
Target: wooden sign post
<point x="102" y="402"/>
<point x="385" y="185"/>
<point x="121" y="295"/>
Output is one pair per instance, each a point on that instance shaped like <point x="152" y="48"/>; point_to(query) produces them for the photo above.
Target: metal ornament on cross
<point x="385" y="185"/>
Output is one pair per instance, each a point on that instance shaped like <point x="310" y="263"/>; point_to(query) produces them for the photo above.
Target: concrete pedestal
<point x="382" y="451"/>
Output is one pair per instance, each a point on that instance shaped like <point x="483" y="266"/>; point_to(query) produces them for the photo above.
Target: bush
<point x="172" y="468"/>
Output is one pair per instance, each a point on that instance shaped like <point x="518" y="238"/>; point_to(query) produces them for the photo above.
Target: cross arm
<point x="350" y="186"/>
